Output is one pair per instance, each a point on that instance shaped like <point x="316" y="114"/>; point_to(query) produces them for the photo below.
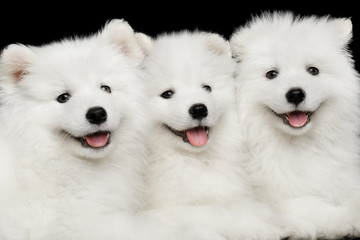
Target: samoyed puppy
<point x="73" y="132"/>
<point x="194" y="173"/>
<point x="298" y="102"/>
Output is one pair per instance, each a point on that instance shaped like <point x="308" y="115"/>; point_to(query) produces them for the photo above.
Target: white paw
<point x="196" y="232"/>
<point x="261" y="231"/>
<point x="299" y="229"/>
<point x="339" y="232"/>
<point x="356" y="232"/>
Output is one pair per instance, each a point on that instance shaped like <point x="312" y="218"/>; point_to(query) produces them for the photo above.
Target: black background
<point x="39" y="24"/>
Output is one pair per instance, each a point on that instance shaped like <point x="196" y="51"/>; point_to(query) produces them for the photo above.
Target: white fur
<point x="51" y="186"/>
<point x="313" y="171"/>
<point x="204" y="186"/>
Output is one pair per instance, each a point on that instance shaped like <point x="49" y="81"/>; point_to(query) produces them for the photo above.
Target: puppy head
<point x="190" y="83"/>
<point x="76" y="93"/>
<point x="293" y="72"/>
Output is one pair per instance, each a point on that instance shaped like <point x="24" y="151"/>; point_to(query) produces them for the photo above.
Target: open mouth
<point x="296" y="119"/>
<point x="96" y="140"/>
<point x="197" y="136"/>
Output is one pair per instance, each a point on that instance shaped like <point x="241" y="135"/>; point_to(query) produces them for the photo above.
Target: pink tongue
<point x="197" y="136"/>
<point x="97" y="140"/>
<point x="297" y="119"/>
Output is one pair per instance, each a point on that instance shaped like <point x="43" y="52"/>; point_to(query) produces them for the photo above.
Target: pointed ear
<point x="343" y="30"/>
<point x="120" y="33"/>
<point x="15" y="61"/>
<point x="237" y="40"/>
<point x="217" y="44"/>
<point x="145" y="42"/>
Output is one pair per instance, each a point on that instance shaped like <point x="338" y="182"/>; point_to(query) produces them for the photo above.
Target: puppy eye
<point x="272" y="74"/>
<point x="167" y="94"/>
<point x="63" y="98"/>
<point x="207" y="88"/>
<point x="105" y="88"/>
<point x="312" y="70"/>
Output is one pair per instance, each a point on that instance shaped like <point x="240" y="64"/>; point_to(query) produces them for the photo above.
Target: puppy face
<point x="187" y="111"/>
<point x="190" y="83"/>
<point x="292" y="72"/>
<point x="76" y="92"/>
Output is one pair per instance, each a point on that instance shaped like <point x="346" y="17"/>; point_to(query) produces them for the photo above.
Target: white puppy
<point x="195" y="174"/>
<point x="74" y="125"/>
<point x="298" y="102"/>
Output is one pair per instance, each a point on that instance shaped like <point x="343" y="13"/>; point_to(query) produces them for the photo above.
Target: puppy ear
<point x="237" y="40"/>
<point x="120" y="33"/>
<point x="15" y="61"/>
<point x="145" y="42"/>
<point x="217" y="44"/>
<point x="343" y="30"/>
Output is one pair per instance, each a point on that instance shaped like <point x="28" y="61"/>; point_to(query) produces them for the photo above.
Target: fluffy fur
<point x="195" y="175"/>
<point x="73" y="128"/>
<point x="298" y="102"/>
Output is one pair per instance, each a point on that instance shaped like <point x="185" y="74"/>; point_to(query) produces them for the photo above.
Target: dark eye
<point x="207" y="88"/>
<point x="312" y="70"/>
<point x="167" y="94"/>
<point x="63" y="98"/>
<point x="272" y="74"/>
<point x="106" y="88"/>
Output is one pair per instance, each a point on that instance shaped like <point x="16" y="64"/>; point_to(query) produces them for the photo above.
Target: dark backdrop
<point x="36" y="24"/>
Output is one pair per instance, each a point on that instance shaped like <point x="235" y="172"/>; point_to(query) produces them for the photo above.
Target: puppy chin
<point x="190" y="148"/>
<point x="88" y="153"/>
<point x="294" y="131"/>
<point x="177" y="142"/>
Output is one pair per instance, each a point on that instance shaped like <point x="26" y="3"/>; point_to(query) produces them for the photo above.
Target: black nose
<point x="96" y="115"/>
<point x="295" y="96"/>
<point x="198" y="111"/>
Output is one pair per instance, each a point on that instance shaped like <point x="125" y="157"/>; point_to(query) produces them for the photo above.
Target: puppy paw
<point x="195" y="232"/>
<point x="342" y="231"/>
